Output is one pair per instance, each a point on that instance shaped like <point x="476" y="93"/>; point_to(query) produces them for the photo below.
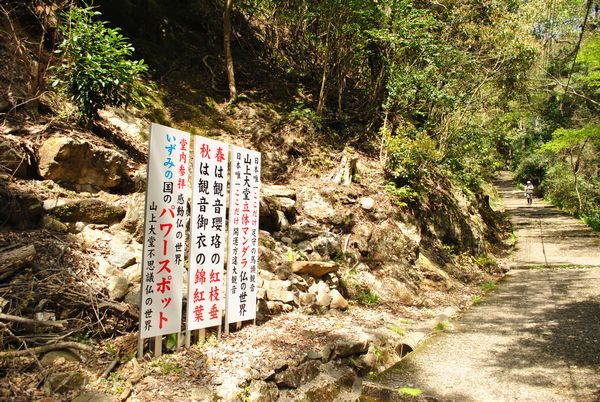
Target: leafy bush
<point x="410" y="158"/>
<point x="592" y="219"/>
<point x="96" y="70"/>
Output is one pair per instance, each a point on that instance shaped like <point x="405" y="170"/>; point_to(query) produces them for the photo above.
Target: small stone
<point x="54" y="356"/>
<point x="54" y="224"/>
<point x="337" y="300"/>
<point x="367" y="203"/>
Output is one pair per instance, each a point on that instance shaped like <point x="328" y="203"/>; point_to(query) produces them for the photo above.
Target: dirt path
<point x="535" y="338"/>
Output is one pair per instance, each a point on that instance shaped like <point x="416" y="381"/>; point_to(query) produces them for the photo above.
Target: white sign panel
<point x="208" y="236"/>
<point x="242" y="262"/>
<point x="164" y="235"/>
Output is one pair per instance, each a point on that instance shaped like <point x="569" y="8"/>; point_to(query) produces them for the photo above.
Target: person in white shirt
<point x="529" y="192"/>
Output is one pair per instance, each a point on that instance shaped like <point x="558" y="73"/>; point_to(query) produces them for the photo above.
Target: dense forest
<point x="434" y="88"/>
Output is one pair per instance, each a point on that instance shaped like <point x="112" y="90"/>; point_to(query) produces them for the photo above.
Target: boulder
<point x="282" y="221"/>
<point x="54" y="225"/>
<point x="140" y="180"/>
<point x="63" y="382"/>
<point x="323" y="299"/>
<point x="117" y="287"/>
<point x="306" y="299"/>
<point x="124" y="252"/>
<point x="275" y="190"/>
<point x="91" y="236"/>
<point x="133" y="273"/>
<point x="316" y="269"/>
<point x="204" y="394"/>
<point x="133" y="222"/>
<point x="133" y="295"/>
<point x="78" y="162"/>
<point x="337" y="300"/>
<point x="288" y="206"/>
<point x="350" y="343"/>
<point x="303" y="231"/>
<point x="313" y="205"/>
<point x="327" y="244"/>
<point x="90" y="210"/>
<point x="295" y="376"/>
<point x="262" y="391"/>
<point x="361" y="238"/>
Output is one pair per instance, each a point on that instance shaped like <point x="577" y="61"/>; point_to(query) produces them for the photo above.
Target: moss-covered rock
<point x="88" y="210"/>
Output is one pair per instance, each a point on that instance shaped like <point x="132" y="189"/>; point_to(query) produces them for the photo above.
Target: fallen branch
<point x="33" y="323"/>
<point x="110" y="368"/>
<point x="46" y="348"/>
<point x="14" y="259"/>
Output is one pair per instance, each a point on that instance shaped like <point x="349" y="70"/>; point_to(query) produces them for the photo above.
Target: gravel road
<point x="536" y="337"/>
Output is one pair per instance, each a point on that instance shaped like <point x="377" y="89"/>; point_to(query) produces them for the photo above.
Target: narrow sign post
<point x="164" y="235"/>
<point x="208" y="230"/>
<point x="242" y="262"/>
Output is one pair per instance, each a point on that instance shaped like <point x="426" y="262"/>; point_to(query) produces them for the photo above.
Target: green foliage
<point x="442" y="326"/>
<point x="400" y="330"/>
<point x="402" y="196"/>
<point x="533" y="167"/>
<point x="488" y="286"/>
<point x="165" y="365"/>
<point x="96" y="69"/>
<point x="563" y="138"/>
<point x="486" y="262"/>
<point x="411" y="157"/>
<point x="367" y="298"/>
<point x="410" y="391"/>
<point x="116" y="383"/>
<point x="589" y="55"/>
<point x="592" y="219"/>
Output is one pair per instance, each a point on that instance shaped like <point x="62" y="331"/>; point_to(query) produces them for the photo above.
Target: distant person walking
<point x="529" y="192"/>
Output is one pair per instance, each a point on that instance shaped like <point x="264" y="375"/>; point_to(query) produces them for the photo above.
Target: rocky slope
<point x="349" y="280"/>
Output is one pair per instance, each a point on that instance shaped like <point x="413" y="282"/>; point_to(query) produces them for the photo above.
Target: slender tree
<point x="227" y="46"/>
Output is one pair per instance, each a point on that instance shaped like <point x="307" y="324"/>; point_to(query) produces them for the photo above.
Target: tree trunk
<point x="227" y="45"/>
<point x="323" y="92"/>
<point x="574" y="170"/>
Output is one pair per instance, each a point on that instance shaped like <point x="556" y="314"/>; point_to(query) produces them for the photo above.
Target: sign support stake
<point x="157" y="346"/>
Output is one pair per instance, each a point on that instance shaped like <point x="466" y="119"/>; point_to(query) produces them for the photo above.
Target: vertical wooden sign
<point x="242" y="261"/>
<point x="208" y="236"/>
<point x="164" y="232"/>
